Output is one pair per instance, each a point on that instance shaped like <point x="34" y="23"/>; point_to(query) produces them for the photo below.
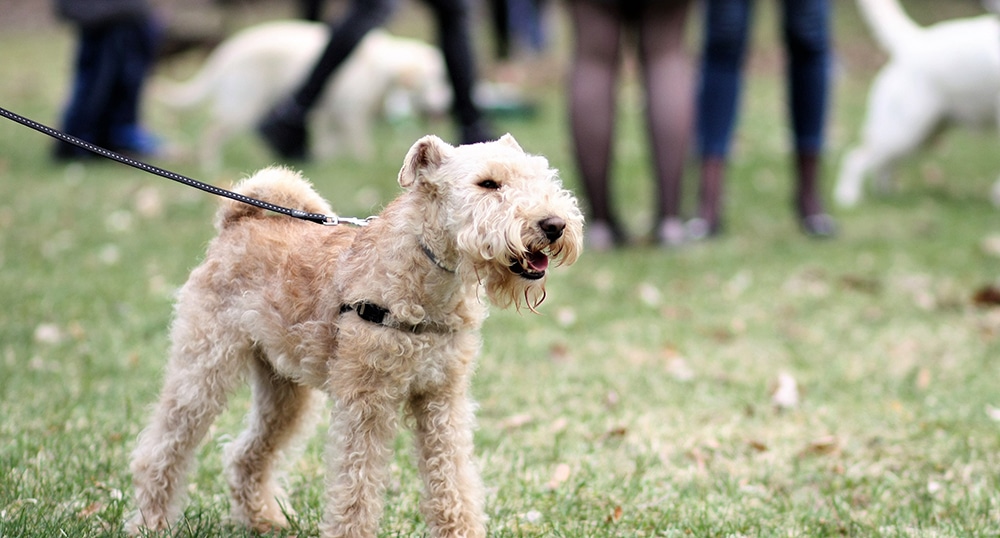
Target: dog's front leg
<point x="362" y="428"/>
<point x="453" y="500"/>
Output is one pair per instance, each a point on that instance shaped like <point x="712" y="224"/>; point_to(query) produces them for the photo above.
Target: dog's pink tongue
<point x="538" y="262"/>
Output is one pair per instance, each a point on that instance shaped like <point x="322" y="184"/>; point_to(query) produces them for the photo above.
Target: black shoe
<point x="700" y="229"/>
<point x="65" y="152"/>
<point x="284" y="130"/>
<point x="818" y="225"/>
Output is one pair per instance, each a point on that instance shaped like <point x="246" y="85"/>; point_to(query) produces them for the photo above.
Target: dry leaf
<point x="822" y="446"/>
<point x="516" y="421"/>
<point x="678" y="368"/>
<point x="90" y="510"/>
<point x="986" y="296"/>
<point x="565" y="316"/>
<point x="48" y="333"/>
<point x="649" y="294"/>
<point x="616" y="515"/>
<point x="148" y="202"/>
<point x="990" y="245"/>
<point x="923" y="379"/>
<point x="785" y="392"/>
<point x="759" y="446"/>
<point x="560" y="475"/>
<point x="559" y="353"/>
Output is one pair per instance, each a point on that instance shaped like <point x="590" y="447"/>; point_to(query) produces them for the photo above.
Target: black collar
<point x="434" y="258"/>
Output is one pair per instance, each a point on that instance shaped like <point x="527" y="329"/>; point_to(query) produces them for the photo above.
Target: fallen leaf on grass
<point x="759" y="446"/>
<point x="991" y="245"/>
<point x="516" y="421"/>
<point x="986" y="296"/>
<point x="822" y="446"/>
<point x="48" y="333"/>
<point x="649" y="294"/>
<point x="560" y="475"/>
<point x="861" y="284"/>
<point x="785" y="392"/>
<point x="616" y="515"/>
<point x="90" y="510"/>
<point x="678" y="368"/>
<point x="923" y="379"/>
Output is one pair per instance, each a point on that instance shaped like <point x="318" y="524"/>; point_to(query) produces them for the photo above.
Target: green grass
<point x="636" y="404"/>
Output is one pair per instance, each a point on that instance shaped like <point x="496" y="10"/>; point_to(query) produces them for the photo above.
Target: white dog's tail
<point x="277" y="185"/>
<point x="891" y="26"/>
<point x="182" y="95"/>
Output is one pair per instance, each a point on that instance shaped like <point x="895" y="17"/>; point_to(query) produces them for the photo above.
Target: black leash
<point x="326" y="220"/>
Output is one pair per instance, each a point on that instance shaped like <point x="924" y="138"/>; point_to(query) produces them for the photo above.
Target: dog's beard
<point x="505" y="287"/>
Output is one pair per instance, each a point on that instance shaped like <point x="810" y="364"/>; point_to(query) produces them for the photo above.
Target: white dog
<point x="256" y="67"/>
<point x="945" y="73"/>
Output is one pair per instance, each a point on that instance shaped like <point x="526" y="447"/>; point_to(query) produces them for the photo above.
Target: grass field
<point x="637" y="404"/>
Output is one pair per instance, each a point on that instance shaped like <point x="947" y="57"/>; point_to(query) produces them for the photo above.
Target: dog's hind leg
<point x="281" y="410"/>
<point x="199" y="378"/>
<point x="453" y="503"/>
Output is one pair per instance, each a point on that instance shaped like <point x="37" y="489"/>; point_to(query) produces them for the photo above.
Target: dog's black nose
<point x="552" y="227"/>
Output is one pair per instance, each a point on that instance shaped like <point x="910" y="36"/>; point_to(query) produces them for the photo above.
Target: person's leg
<point x="666" y="70"/>
<point x="452" y="18"/>
<point x="592" y="80"/>
<point x="93" y="80"/>
<point x="284" y="127"/>
<point x="724" y="49"/>
<point x="806" y="31"/>
<point x="135" y="50"/>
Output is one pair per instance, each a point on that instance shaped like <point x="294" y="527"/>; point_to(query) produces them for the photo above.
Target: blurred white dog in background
<point x="946" y="73"/>
<point x="250" y="71"/>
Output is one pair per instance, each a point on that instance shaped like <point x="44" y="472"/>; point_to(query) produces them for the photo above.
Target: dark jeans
<point x="806" y="33"/>
<point x="111" y="66"/>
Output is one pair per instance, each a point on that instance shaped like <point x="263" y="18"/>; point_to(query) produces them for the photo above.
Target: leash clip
<point x="334" y="220"/>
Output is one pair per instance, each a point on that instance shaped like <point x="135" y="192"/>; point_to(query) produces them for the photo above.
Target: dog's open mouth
<point x="532" y="266"/>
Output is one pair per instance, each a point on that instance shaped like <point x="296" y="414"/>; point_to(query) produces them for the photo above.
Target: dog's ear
<point x="424" y="156"/>
<point x="508" y="140"/>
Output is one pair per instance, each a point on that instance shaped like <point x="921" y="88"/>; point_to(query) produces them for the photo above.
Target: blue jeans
<point x="111" y="67"/>
<point x="806" y="33"/>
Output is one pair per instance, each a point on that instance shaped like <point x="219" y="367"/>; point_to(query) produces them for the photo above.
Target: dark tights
<point x="666" y="77"/>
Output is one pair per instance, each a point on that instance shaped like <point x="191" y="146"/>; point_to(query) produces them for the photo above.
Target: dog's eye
<point x="489" y="184"/>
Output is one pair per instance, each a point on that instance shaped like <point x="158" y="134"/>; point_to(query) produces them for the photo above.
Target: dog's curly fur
<point x="268" y="303"/>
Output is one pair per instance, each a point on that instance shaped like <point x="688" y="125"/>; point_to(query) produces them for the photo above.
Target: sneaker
<point x="284" y="130"/>
<point x="671" y="232"/>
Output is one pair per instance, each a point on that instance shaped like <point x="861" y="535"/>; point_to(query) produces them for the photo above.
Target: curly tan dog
<point x="379" y="318"/>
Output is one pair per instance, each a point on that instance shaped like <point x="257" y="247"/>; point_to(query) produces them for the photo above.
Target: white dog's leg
<point x="453" y="504"/>
<point x="853" y="168"/>
<point x="894" y="127"/>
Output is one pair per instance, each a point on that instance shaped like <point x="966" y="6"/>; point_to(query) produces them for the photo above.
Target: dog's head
<point x="500" y="214"/>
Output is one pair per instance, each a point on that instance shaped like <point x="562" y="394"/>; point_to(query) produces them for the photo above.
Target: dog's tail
<point x="893" y="29"/>
<point x="277" y="185"/>
<point x="181" y="95"/>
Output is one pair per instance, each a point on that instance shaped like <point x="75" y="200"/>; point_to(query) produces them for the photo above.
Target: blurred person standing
<point x="656" y="29"/>
<point x="284" y="128"/>
<point x="116" y="49"/>
<point x="805" y="26"/>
